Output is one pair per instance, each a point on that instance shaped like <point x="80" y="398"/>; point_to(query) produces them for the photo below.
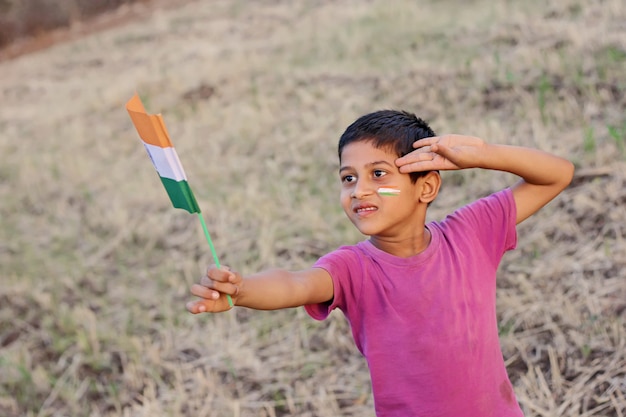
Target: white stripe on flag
<point x="166" y="162"/>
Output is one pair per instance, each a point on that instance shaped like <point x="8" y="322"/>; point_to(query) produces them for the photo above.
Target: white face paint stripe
<point x="388" y="191"/>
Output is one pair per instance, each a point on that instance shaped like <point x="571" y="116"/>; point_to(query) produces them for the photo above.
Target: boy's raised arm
<point x="543" y="175"/>
<point x="267" y="290"/>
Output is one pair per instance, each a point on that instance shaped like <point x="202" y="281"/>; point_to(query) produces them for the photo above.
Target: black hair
<point x="395" y="130"/>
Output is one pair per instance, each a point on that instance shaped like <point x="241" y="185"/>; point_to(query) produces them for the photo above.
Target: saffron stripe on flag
<point x="151" y="127"/>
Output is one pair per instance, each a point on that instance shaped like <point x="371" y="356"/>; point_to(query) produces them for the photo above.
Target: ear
<point x="431" y="182"/>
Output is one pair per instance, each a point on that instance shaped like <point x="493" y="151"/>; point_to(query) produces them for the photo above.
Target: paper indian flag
<point x="153" y="133"/>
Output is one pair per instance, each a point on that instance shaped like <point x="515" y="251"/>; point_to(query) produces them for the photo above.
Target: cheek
<point x="345" y="198"/>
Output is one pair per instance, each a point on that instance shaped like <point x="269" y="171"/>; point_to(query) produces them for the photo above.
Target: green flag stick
<point x="213" y="252"/>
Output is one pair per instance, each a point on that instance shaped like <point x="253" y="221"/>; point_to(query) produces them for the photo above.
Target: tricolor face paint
<point x="388" y="191"/>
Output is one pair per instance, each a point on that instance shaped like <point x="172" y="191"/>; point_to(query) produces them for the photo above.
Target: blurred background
<point x="95" y="264"/>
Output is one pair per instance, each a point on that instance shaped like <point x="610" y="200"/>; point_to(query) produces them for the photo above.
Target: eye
<point x="348" y="178"/>
<point x="379" y="173"/>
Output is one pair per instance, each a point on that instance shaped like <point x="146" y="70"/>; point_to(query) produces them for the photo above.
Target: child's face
<point x="364" y="170"/>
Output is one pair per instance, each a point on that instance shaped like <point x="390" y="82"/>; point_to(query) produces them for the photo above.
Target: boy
<point x="420" y="298"/>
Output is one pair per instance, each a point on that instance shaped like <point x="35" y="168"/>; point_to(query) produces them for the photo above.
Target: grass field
<point x="95" y="264"/>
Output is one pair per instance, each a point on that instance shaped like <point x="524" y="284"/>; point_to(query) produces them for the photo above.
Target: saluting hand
<point x="448" y="152"/>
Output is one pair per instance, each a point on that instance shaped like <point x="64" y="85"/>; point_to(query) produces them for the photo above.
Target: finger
<point x="424" y="149"/>
<point x="442" y="150"/>
<point x="426" y="141"/>
<point x="220" y="287"/>
<point x="204" y="292"/>
<point x="418" y="167"/>
<point x="220" y="275"/>
<point x="196" y="307"/>
<point x="209" y="282"/>
<point x="417" y="156"/>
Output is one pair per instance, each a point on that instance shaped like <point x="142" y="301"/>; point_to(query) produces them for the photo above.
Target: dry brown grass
<point x="95" y="264"/>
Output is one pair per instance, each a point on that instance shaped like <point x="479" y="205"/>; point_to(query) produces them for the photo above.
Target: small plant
<point x="506" y="328"/>
<point x="589" y="140"/>
<point x="615" y="54"/>
<point x="618" y="133"/>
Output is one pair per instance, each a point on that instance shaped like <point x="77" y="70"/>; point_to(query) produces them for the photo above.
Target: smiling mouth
<point x="365" y="210"/>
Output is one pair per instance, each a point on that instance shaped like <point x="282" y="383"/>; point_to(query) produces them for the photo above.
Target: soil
<point x="35" y="37"/>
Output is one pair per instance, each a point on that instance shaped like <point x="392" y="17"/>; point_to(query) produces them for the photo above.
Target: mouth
<point x="364" y="210"/>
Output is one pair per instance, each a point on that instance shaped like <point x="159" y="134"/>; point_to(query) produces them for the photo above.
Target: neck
<point x="403" y="247"/>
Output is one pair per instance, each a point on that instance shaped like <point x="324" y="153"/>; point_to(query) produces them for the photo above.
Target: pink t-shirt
<point x="427" y="324"/>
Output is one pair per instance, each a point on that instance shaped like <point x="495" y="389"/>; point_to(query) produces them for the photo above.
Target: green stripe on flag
<point x="181" y="195"/>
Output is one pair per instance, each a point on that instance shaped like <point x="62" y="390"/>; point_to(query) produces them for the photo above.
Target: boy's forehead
<point x="366" y="149"/>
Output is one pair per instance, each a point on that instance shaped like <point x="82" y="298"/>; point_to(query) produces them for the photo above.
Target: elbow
<point x="568" y="173"/>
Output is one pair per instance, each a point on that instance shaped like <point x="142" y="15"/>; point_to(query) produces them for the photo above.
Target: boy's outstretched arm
<point x="543" y="175"/>
<point x="267" y="290"/>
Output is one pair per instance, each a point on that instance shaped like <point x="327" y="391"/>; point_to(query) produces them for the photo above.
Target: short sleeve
<point x="341" y="265"/>
<point x="492" y="222"/>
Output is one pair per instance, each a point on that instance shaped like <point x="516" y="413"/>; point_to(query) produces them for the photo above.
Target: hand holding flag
<point x="152" y="131"/>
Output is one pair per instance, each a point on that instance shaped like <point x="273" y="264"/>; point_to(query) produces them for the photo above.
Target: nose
<point x="362" y="188"/>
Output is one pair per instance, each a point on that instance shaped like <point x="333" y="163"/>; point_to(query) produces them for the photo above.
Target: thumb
<point x="444" y="151"/>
